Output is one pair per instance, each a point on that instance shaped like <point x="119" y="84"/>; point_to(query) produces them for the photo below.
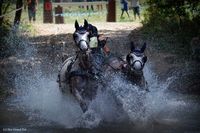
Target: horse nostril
<point x="84" y="48"/>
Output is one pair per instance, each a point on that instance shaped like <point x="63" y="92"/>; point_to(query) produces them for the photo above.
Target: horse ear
<point x="85" y="23"/>
<point x="76" y="25"/>
<point x="132" y="46"/>
<point x="143" y="47"/>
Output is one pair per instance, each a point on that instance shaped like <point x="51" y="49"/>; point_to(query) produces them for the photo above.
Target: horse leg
<point x="143" y="84"/>
<point x="76" y="83"/>
<point x="80" y="99"/>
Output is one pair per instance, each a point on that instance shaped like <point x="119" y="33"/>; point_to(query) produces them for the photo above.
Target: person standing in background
<point x="25" y="4"/>
<point x="124" y="7"/>
<point x="32" y="7"/>
<point x="136" y="8"/>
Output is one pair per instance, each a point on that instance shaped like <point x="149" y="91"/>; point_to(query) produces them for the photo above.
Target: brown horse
<point x="131" y="66"/>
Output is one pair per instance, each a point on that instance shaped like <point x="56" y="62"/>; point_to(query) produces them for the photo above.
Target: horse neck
<point x="84" y="60"/>
<point x="133" y="74"/>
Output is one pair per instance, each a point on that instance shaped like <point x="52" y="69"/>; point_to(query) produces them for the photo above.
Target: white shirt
<point x="135" y="3"/>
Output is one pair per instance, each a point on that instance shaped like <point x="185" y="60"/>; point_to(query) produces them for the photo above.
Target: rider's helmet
<point x="92" y="30"/>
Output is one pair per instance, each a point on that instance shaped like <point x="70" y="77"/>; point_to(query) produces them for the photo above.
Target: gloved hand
<point x="102" y="43"/>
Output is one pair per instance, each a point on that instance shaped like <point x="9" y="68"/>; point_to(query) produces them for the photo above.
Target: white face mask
<point x="93" y="42"/>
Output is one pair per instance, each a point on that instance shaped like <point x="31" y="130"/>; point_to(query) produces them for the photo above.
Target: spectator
<point x="25" y="4"/>
<point x="124" y="7"/>
<point x="92" y="7"/>
<point x="136" y="8"/>
<point x="32" y="7"/>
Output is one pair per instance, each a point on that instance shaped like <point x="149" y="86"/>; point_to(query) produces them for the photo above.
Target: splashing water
<point x="137" y="104"/>
<point x="39" y="97"/>
<point x="19" y="44"/>
<point x="42" y="96"/>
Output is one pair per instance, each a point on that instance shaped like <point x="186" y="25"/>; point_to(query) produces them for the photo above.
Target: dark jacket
<point x="32" y="4"/>
<point x="93" y="30"/>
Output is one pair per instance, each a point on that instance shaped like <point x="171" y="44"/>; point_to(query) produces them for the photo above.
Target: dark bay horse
<point x="131" y="66"/>
<point x="81" y="75"/>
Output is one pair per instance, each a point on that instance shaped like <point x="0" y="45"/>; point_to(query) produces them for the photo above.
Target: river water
<point x="39" y="106"/>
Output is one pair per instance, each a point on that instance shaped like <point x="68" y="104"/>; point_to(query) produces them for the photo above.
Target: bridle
<point x="136" y="60"/>
<point x="80" y="43"/>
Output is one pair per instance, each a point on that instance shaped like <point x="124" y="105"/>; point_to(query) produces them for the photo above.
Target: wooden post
<point x="98" y="7"/>
<point x="101" y="7"/>
<point x="47" y="12"/>
<point x="111" y="16"/>
<point x="59" y="19"/>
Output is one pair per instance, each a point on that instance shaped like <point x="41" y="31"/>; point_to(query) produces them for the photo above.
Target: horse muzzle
<point x="137" y="65"/>
<point x="83" y="45"/>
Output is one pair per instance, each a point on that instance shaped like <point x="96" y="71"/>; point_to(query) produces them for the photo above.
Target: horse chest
<point x="84" y="63"/>
<point x="135" y="78"/>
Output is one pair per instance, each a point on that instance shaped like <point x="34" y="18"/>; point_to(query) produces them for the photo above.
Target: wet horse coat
<point x="82" y="83"/>
<point x="83" y="73"/>
<point x="130" y="66"/>
<point x="75" y="78"/>
<point x="79" y="73"/>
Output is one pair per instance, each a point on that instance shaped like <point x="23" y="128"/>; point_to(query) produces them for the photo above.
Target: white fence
<point x="68" y="4"/>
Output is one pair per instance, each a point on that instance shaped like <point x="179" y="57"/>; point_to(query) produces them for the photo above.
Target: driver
<point x="97" y="44"/>
<point x="96" y="41"/>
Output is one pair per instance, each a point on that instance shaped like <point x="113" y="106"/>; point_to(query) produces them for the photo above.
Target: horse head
<point x="81" y="39"/>
<point x="136" y="59"/>
<point x="81" y="36"/>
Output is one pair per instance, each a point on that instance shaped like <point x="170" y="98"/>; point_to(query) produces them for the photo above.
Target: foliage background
<point x="172" y="24"/>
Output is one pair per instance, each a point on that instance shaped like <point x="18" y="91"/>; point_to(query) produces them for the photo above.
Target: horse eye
<point x="131" y="57"/>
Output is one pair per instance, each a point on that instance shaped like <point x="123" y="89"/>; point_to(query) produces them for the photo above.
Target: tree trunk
<point x="111" y="16"/>
<point x="3" y="10"/>
<point x="18" y="13"/>
<point x="1" y="18"/>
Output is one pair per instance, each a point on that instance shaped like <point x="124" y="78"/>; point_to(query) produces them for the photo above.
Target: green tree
<point x="173" y="23"/>
<point x="173" y="11"/>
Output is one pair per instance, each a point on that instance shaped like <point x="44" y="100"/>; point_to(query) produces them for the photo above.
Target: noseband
<point x="136" y="61"/>
<point x="139" y="61"/>
<point x="79" y="42"/>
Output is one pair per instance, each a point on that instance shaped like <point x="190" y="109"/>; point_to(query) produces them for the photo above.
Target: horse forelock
<point x="81" y="30"/>
<point x="137" y="52"/>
